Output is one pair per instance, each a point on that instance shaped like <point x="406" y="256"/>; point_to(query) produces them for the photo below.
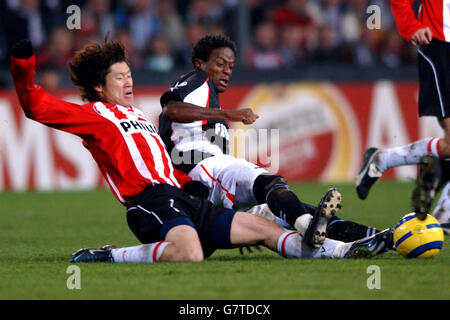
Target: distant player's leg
<point x="434" y="100"/>
<point x="377" y="161"/>
<point x="427" y="182"/>
<point x="442" y="210"/>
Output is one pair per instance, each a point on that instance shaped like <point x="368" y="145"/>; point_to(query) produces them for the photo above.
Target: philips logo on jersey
<point x="135" y="125"/>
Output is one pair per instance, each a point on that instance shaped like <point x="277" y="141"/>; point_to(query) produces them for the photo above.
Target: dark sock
<point x="285" y="204"/>
<point x="348" y="231"/>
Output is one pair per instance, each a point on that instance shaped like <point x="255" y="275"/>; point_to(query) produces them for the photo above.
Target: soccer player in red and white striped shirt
<point x="430" y="32"/>
<point x="171" y="225"/>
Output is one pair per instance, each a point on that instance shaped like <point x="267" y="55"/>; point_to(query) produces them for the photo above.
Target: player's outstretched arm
<point x="183" y="112"/>
<point x="36" y="103"/>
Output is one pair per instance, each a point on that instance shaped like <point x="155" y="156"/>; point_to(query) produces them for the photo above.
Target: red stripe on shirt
<point x="147" y="155"/>
<point x="168" y="169"/>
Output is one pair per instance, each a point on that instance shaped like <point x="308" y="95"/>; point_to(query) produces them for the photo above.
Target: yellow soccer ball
<point x="415" y="238"/>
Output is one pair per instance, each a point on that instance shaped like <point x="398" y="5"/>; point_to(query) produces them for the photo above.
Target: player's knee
<point x="191" y="253"/>
<point x="193" y="256"/>
<point x="266" y="183"/>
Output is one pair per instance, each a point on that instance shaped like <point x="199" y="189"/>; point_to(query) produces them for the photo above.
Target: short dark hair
<point x="90" y="66"/>
<point x="206" y="44"/>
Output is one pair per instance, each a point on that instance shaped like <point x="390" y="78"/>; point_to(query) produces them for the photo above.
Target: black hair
<point x="90" y="66"/>
<point x="208" y="43"/>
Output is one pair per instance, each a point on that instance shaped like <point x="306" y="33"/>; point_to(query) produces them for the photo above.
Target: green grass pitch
<point x="40" y="230"/>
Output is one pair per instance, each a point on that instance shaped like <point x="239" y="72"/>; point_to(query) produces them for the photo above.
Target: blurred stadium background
<point x="310" y="68"/>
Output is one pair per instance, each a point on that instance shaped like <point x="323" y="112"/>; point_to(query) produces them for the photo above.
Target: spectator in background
<point x="142" y="22"/>
<point x="24" y="20"/>
<point x="264" y="53"/>
<point x="205" y="12"/>
<point x="134" y="57"/>
<point x="193" y="32"/>
<point x="366" y="51"/>
<point x="59" y="50"/>
<point x="49" y="79"/>
<point x="159" y="57"/>
<point x="259" y="11"/>
<point x="333" y="12"/>
<point x="36" y="19"/>
<point x="301" y="14"/>
<point x="54" y="12"/>
<point x="171" y="23"/>
<point x="391" y="53"/>
<point x="99" y="13"/>
<point x="351" y="23"/>
<point x="328" y="48"/>
<point x="291" y="51"/>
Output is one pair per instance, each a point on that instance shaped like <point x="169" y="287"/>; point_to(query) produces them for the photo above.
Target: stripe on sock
<point x="158" y="250"/>
<point x="282" y="242"/>
<point x="433" y="147"/>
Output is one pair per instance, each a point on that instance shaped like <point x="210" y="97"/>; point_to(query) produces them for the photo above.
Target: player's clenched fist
<point x="245" y="115"/>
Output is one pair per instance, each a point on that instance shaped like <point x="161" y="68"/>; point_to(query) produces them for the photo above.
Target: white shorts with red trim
<point x="230" y="180"/>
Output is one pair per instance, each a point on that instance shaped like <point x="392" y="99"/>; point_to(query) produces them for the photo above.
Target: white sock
<point x="291" y="245"/>
<point x="329" y="249"/>
<point x="146" y="253"/>
<point x="408" y="154"/>
<point x="302" y="223"/>
<point x="341" y="248"/>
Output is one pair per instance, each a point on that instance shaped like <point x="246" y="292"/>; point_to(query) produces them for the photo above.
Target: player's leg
<point x="245" y="183"/>
<point x="337" y="228"/>
<point x="434" y="100"/>
<point x="377" y="161"/>
<point x="247" y="229"/>
<point x="181" y="243"/>
<point x="310" y="221"/>
<point x="160" y="218"/>
<point x="427" y="183"/>
<point x="442" y="210"/>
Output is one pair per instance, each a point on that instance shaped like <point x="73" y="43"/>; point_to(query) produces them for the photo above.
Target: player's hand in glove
<point x="196" y="189"/>
<point x="22" y="49"/>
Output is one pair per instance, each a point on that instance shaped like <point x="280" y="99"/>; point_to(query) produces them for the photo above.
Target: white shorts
<point x="230" y="180"/>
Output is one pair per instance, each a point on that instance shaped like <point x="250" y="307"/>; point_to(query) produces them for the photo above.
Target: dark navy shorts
<point x="159" y="208"/>
<point x="434" y="79"/>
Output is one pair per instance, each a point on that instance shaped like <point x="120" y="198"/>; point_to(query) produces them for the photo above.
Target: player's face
<point x="118" y="88"/>
<point x="219" y="67"/>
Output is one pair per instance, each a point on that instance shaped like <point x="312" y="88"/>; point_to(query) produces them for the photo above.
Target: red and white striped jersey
<point x="434" y="14"/>
<point x="125" y="145"/>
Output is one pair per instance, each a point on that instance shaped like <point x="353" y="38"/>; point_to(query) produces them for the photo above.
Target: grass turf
<point x="40" y="230"/>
